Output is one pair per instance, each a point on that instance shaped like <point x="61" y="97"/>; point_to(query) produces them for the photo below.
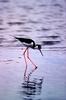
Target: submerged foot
<point x="32" y="71"/>
<point x="36" y="67"/>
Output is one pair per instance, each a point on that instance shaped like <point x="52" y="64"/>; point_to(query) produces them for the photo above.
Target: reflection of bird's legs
<point x="35" y="67"/>
<point x="25" y="62"/>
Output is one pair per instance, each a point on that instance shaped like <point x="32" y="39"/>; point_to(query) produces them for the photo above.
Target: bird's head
<point x="39" y="48"/>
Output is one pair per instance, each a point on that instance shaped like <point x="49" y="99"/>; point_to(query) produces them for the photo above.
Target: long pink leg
<point x="30" y="59"/>
<point x="35" y="67"/>
<point x="25" y="63"/>
<point x="25" y="51"/>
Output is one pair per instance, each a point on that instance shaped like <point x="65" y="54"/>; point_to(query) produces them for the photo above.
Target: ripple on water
<point x="15" y="23"/>
<point x="4" y="1"/>
<point x="30" y="89"/>
<point x="50" y="42"/>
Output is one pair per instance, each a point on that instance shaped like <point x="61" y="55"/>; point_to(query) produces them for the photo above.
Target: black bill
<point x="41" y="52"/>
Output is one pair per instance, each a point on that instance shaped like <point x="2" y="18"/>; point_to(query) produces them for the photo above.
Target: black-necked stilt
<point x="29" y="43"/>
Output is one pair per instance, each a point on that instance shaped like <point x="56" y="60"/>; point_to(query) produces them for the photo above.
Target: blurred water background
<point x="44" y="21"/>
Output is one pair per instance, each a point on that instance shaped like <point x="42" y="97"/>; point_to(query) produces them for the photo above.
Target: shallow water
<point x="47" y="82"/>
<point x="44" y="21"/>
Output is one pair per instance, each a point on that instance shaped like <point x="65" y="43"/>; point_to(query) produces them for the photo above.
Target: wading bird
<point x="29" y="43"/>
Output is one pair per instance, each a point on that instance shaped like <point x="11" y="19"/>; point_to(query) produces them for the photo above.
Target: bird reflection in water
<point x="31" y="90"/>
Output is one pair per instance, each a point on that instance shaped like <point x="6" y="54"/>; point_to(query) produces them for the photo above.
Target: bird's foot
<point x="32" y="71"/>
<point x="36" y="67"/>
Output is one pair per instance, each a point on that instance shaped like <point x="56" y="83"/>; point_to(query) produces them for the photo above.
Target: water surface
<point x="44" y="21"/>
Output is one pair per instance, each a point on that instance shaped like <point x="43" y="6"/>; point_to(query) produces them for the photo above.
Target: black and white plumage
<point x="29" y="43"/>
